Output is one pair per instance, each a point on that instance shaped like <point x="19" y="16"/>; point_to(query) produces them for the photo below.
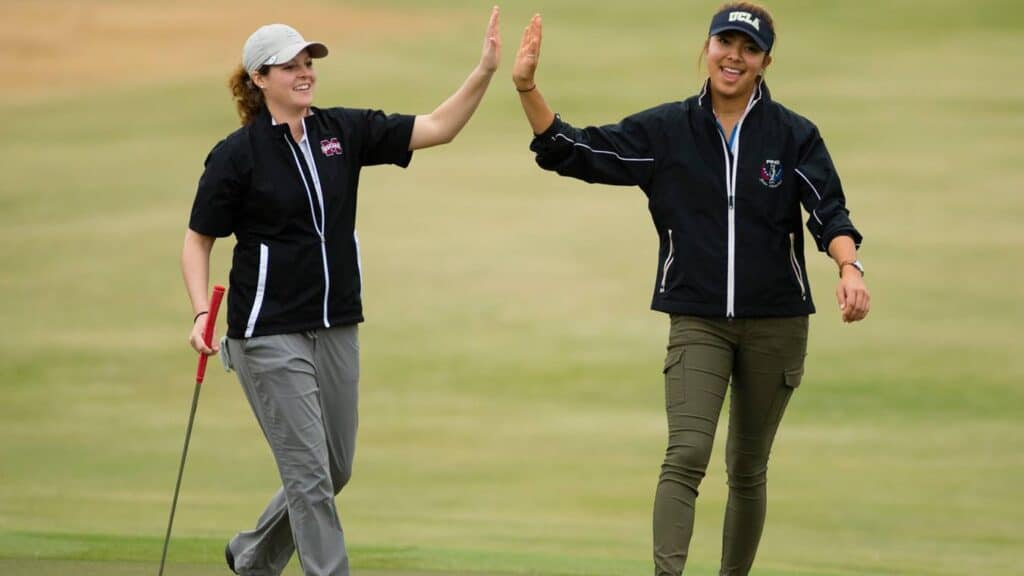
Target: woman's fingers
<point x="528" y="34"/>
<point x="841" y="297"/>
<point x="527" y="56"/>
<point x="494" y="29"/>
<point x="863" y="304"/>
<point x="492" y="42"/>
<point x="199" y="346"/>
<point x="853" y="298"/>
<point x="531" y="38"/>
<point x="492" y="26"/>
<point x="195" y="339"/>
<point x="854" y="301"/>
<point x="537" y="25"/>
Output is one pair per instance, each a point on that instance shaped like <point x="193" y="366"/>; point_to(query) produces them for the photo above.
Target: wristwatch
<point x="855" y="263"/>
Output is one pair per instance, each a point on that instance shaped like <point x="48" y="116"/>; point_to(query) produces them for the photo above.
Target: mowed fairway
<point x="511" y="396"/>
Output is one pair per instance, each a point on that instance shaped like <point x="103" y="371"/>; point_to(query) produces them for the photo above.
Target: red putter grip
<point x="211" y="319"/>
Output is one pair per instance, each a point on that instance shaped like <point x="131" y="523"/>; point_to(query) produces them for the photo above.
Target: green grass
<point x="511" y="404"/>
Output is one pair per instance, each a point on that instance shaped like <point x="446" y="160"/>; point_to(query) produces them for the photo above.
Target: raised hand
<point x="528" y="56"/>
<point x="492" y="43"/>
<point x="447" y="120"/>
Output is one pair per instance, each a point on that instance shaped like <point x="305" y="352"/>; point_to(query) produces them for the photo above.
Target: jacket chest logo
<point x="771" y="173"/>
<point x="330" y="147"/>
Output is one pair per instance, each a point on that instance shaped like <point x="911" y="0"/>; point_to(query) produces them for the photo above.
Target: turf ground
<point x="511" y="403"/>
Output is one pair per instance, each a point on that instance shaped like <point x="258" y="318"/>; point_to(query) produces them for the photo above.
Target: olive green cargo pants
<point x="764" y="358"/>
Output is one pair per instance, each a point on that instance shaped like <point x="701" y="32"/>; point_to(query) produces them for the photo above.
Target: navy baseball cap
<point x="750" y="23"/>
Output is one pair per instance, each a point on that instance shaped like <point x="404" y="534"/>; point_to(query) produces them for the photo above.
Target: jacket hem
<point x="718" y="310"/>
<point x="271" y="330"/>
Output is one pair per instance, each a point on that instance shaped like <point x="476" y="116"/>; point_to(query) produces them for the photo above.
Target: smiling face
<point x="734" y="63"/>
<point x="288" y="88"/>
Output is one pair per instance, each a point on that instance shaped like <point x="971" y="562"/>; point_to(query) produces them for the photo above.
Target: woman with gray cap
<point x="285" y="186"/>
<point x="725" y="173"/>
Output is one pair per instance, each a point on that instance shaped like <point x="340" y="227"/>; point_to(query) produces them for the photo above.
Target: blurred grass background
<point x="511" y="406"/>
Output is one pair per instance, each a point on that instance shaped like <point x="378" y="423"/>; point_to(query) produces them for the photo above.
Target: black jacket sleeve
<point x="821" y="193"/>
<point x="620" y="154"/>
<point x="385" y="138"/>
<point x="219" y="194"/>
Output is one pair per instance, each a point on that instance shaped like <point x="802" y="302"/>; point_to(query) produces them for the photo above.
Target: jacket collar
<point x="760" y="93"/>
<point x="264" y="122"/>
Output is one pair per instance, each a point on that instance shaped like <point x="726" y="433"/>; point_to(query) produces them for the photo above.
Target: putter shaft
<point x="181" y="469"/>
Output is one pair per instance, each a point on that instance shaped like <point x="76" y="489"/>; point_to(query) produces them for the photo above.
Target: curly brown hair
<point x="247" y="96"/>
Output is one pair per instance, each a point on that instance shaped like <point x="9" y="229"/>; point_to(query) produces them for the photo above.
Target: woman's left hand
<point x="492" y="44"/>
<point x="853" y="296"/>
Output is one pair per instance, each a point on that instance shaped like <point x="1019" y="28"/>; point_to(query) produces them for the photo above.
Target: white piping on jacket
<point x="581" y="145"/>
<point x="359" y="261"/>
<point x="814" y="212"/>
<point x="796" y="266"/>
<point x="319" y="227"/>
<point x="668" y="260"/>
<point x="261" y="288"/>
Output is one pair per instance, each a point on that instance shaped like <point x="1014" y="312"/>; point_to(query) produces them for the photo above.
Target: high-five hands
<point x="528" y="56"/>
<point x="446" y="121"/>
<point x="492" y="43"/>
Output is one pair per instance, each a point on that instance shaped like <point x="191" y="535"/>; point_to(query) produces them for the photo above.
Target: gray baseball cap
<point x="276" y="44"/>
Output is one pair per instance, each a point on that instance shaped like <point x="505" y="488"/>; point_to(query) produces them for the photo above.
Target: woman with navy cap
<point x="725" y="173"/>
<point x="285" y="186"/>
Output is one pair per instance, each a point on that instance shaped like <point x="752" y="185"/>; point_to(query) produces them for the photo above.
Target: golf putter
<point x="211" y="319"/>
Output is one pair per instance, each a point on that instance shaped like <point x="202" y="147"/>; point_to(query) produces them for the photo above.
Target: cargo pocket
<point x="790" y="382"/>
<point x="673" y="371"/>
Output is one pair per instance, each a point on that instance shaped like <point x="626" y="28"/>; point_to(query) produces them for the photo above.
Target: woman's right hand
<point x="195" y="268"/>
<point x="196" y="338"/>
<point x="528" y="56"/>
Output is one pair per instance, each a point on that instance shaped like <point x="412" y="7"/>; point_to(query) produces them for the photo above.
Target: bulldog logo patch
<point x="771" y="173"/>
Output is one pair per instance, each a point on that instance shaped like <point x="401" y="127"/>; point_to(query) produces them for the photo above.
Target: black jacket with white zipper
<point x="727" y="214"/>
<point x="296" y="263"/>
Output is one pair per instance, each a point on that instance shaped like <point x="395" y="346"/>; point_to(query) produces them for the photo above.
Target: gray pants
<point x="303" y="389"/>
<point x="764" y="360"/>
